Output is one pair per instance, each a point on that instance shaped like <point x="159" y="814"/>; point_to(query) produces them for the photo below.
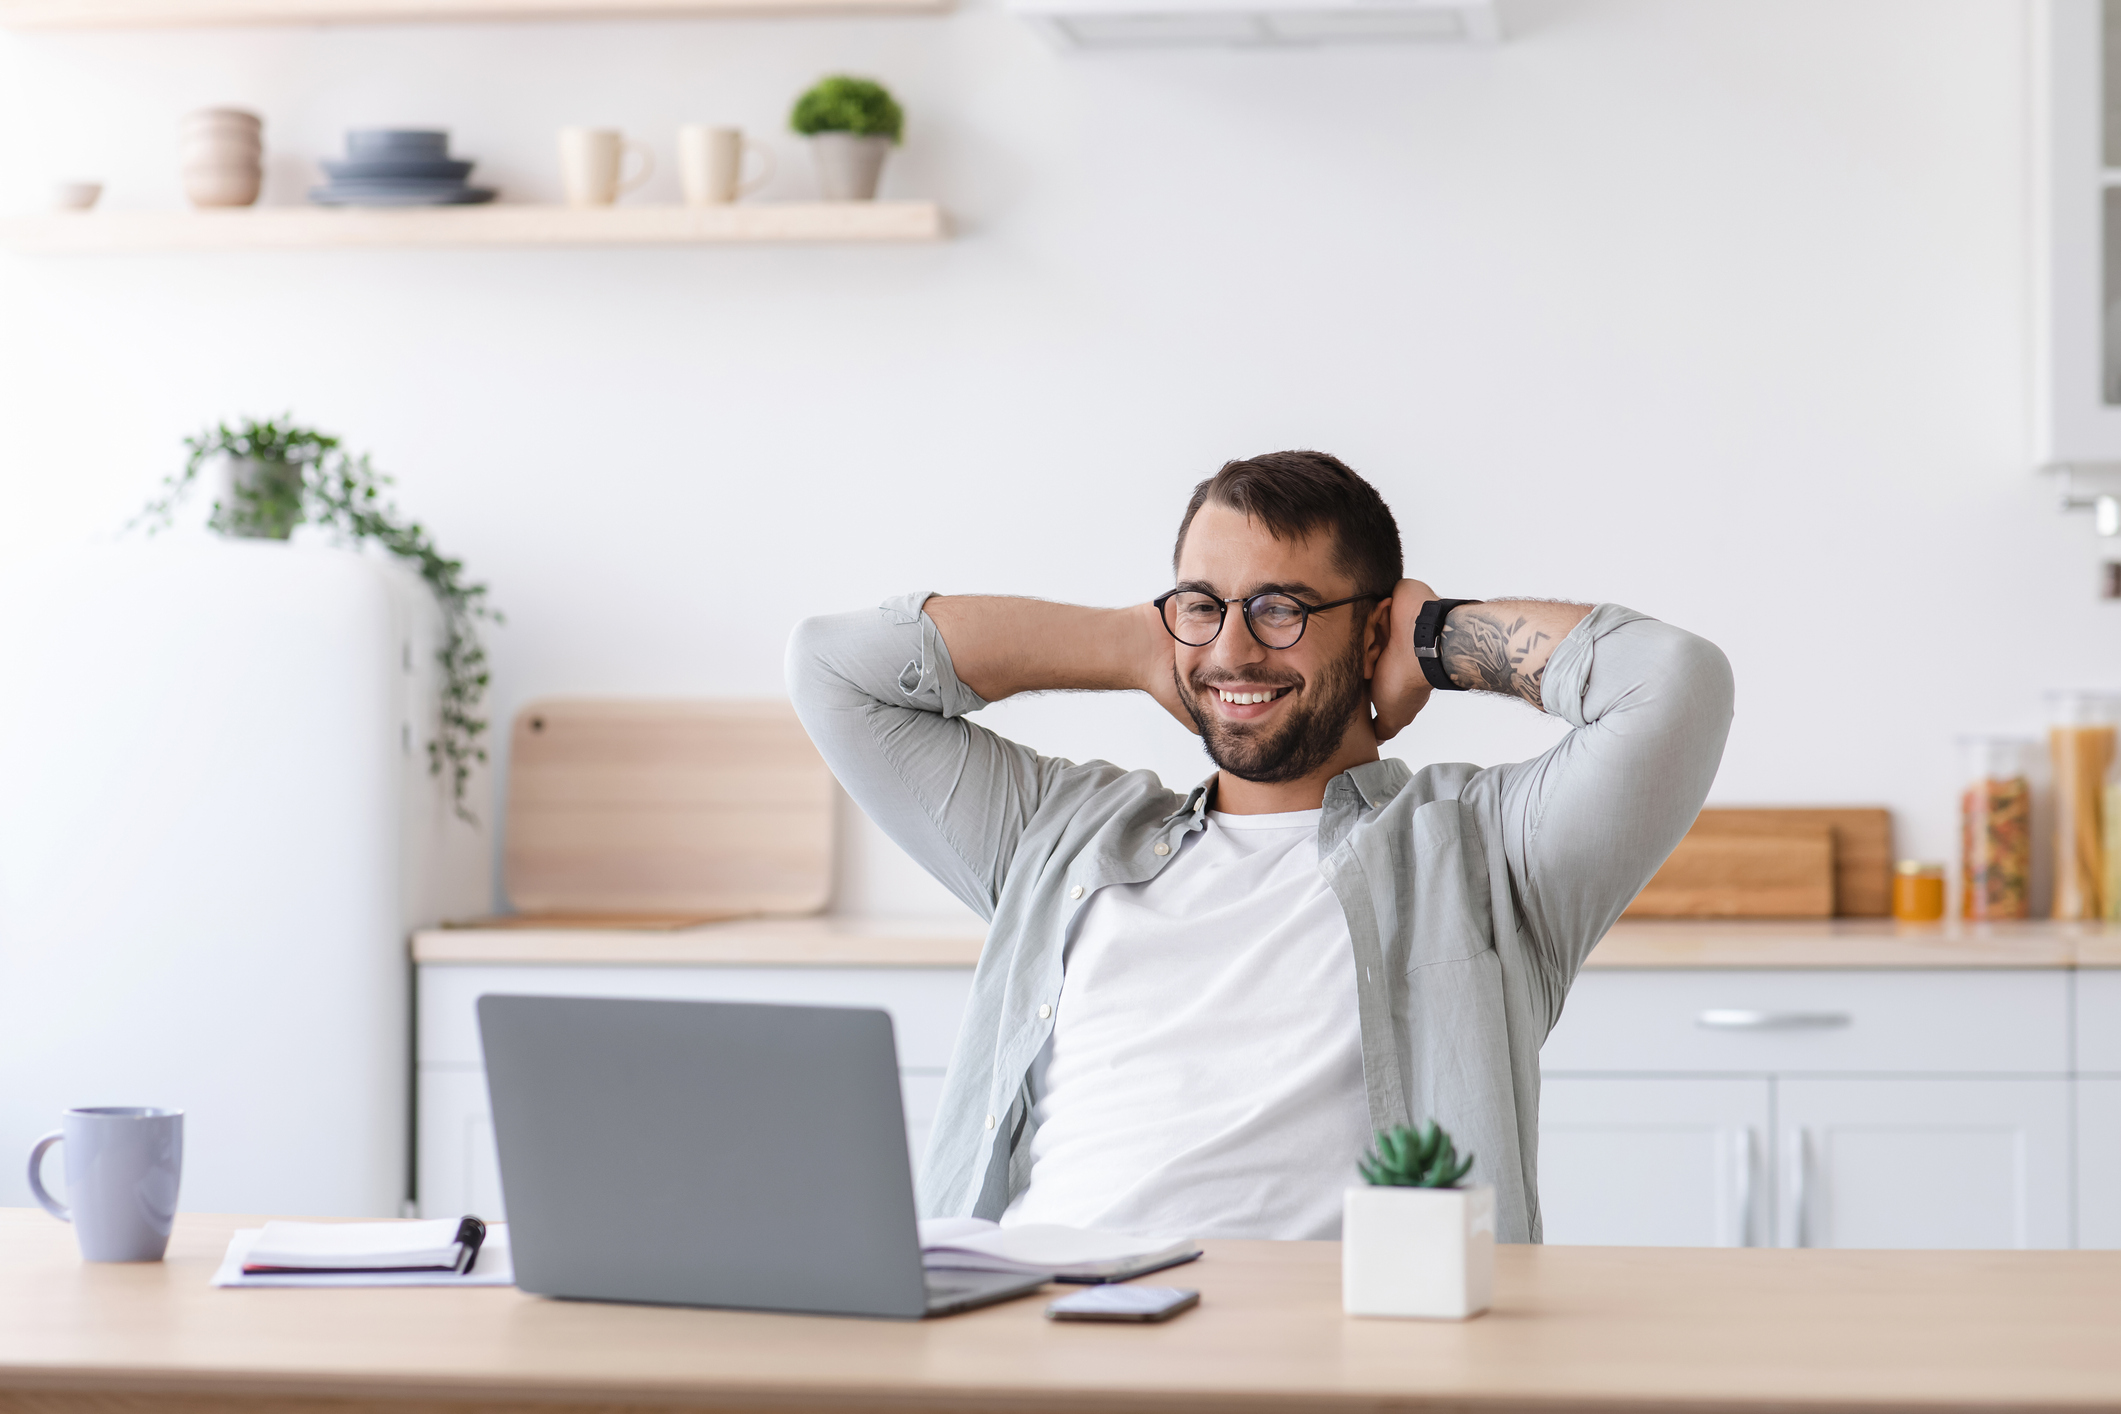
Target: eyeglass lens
<point x="1194" y="619"/>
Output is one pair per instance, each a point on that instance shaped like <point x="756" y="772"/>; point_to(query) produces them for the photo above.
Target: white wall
<point x="1714" y="309"/>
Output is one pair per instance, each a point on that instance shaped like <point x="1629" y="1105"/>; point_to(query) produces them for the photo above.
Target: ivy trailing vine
<point x="285" y="476"/>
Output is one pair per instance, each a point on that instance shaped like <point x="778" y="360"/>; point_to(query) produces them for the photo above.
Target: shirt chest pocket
<point x="1447" y="913"/>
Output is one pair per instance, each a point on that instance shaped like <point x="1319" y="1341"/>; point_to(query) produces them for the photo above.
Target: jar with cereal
<point x="1996" y="829"/>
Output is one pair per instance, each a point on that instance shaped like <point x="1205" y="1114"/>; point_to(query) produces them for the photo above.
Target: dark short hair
<point x="1295" y="493"/>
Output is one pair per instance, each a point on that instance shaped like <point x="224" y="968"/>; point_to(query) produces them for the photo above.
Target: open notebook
<point x="1070" y="1254"/>
<point x="450" y="1252"/>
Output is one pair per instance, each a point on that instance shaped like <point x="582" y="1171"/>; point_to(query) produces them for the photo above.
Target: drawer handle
<point x="1719" y="1020"/>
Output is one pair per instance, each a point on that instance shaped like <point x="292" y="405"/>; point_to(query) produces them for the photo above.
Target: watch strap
<point x="1428" y="628"/>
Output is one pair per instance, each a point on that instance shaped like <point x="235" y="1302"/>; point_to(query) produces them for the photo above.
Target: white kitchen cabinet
<point x="2099" y="1161"/>
<point x="1655" y="1163"/>
<point x="2077" y="223"/>
<point x="2098" y="1025"/>
<point x="1786" y="1021"/>
<point x="1896" y="1108"/>
<point x="458" y="1171"/>
<point x="1924" y="1162"/>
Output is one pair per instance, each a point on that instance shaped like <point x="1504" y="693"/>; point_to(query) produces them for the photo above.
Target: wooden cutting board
<point x="1786" y="871"/>
<point x="1763" y="863"/>
<point x="664" y="813"/>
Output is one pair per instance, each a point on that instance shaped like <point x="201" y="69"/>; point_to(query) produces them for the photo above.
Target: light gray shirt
<point x="1471" y="895"/>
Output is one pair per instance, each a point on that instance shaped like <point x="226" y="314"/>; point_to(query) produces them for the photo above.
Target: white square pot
<point x="1417" y="1251"/>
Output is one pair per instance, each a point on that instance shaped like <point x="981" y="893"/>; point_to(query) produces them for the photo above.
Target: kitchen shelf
<point x="152" y="14"/>
<point x="440" y="227"/>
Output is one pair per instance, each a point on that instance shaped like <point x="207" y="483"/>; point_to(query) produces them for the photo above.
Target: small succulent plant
<point x="845" y="104"/>
<point x="1406" y="1157"/>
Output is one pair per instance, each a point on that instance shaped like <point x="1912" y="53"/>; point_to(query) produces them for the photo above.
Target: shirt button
<point x="990" y="1121"/>
<point x="1162" y="848"/>
<point x="1076" y="892"/>
<point x="1044" y="1011"/>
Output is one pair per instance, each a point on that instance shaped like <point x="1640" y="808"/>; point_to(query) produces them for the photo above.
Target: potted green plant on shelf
<point x="1414" y="1243"/>
<point x="852" y="124"/>
<point x="281" y="476"/>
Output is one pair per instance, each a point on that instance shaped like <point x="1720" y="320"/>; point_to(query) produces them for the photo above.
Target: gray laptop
<point x="712" y="1154"/>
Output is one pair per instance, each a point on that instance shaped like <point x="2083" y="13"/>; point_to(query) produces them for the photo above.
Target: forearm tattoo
<point x="1485" y="652"/>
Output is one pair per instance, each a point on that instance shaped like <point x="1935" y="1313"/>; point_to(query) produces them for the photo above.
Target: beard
<point x="1303" y="741"/>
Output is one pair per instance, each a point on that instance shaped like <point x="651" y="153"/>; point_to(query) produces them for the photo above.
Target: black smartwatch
<point x="1428" y="627"/>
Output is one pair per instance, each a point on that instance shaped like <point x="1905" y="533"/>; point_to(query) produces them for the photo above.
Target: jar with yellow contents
<point x="2080" y="742"/>
<point x="1918" y="891"/>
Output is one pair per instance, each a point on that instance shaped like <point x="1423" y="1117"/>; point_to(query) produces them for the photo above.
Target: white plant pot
<point x="848" y="166"/>
<point x="1426" y="1252"/>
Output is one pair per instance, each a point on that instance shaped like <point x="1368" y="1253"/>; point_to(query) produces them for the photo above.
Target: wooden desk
<point x="1573" y="1328"/>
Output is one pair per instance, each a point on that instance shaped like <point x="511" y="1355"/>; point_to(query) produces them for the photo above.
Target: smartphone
<point x="1124" y="1303"/>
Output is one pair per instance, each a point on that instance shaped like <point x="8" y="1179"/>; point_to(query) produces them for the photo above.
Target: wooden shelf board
<point x="153" y="14"/>
<point x="494" y="226"/>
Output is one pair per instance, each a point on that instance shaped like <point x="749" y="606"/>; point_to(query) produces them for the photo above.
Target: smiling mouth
<point x="1246" y="699"/>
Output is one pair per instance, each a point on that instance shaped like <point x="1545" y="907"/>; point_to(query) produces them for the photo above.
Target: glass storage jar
<point x="1918" y="891"/>
<point x="1996" y="829"/>
<point x="2080" y="740"/>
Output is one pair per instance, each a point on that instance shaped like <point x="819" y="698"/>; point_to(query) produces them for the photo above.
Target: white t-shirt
<point x="1204" y="1077"/>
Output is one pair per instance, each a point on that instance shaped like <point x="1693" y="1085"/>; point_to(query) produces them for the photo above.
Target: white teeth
<point x="1242" y="699"/>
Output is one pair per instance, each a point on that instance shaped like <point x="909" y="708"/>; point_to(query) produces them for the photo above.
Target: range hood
<point x="1141" y="24"/>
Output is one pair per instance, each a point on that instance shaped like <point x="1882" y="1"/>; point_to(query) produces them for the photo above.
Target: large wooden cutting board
<point x="1786" y="871"/>
<point x="1765" y="863"/>
<point x="644" y="811"/>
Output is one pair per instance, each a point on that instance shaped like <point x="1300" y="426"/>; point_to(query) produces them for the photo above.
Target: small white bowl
<point x="222" y="118"/>
<point x="221" y="186"/>
<point x="75" y="196"/>
<point x="219" y="154"/>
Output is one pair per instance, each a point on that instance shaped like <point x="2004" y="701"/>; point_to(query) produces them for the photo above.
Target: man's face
<point x="1311" y="692"/>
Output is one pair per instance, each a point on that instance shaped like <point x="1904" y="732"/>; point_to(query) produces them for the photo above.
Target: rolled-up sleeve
<point x="877" y="693"/>
<point x="1587" y="823"/>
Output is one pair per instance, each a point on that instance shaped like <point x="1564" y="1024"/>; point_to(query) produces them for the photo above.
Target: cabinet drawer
<point x="2099" y="1020"/>
<point x="925" y="1003"/>
<point x="1817" y="1021"/>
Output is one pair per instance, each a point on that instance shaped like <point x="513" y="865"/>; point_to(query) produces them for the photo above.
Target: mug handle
<point x="45" y="1200"/>
<point x="747" y="188"/>
<point x="647" y="165"/>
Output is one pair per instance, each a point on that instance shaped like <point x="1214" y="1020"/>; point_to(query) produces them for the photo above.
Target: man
<point x="1192" y="1011"/>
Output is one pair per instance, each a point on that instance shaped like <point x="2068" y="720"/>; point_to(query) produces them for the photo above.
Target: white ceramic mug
<point x="592" y="162"/>
<point x="123" y="1166"/>
<point x="711" y="165"/>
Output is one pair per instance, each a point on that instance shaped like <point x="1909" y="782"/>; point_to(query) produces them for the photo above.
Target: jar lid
<point x="1917" y="866"/>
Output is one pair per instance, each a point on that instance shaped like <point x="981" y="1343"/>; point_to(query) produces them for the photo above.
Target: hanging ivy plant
<point x="285" y="476"/>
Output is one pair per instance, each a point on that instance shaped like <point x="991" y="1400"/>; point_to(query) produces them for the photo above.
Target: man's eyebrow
<point x="1295" y="589"/>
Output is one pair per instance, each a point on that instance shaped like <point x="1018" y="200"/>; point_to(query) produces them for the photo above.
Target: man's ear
<point x="1377" y="633"/>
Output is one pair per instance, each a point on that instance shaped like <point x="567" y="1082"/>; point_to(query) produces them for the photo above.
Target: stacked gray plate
<point x="397" y="167"/>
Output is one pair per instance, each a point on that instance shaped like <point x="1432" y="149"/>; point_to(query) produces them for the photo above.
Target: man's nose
<point x="1235" y="648"/>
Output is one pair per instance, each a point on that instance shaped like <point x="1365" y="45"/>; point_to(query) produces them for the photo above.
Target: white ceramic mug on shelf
<point x="123" y="1167"/>
<point x="711" y="165"/>
<point x="592" y="165"/>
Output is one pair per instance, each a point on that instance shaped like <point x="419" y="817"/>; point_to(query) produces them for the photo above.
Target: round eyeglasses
<point x="1276" y="620"/>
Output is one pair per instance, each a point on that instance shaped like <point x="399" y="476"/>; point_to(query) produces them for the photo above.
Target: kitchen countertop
<point x="1666" y="943"/>
<point x="1854" y="942"/>
<point x="1573" y="1328"/>
<point x="827" y="941"/>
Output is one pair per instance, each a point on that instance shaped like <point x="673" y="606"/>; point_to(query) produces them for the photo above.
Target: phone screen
<point x="1123" y="1303"/>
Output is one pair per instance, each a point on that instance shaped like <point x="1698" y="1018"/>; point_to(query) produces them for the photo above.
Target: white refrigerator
<point x="217" y="829"/>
